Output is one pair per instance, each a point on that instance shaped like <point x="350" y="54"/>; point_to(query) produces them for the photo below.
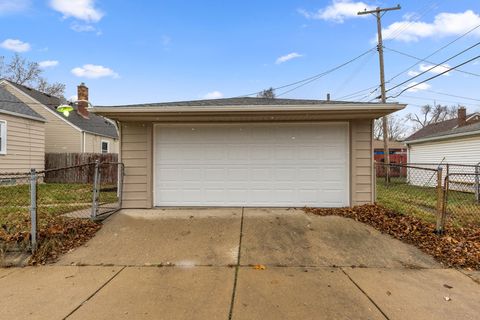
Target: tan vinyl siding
<point x="60" y="136"/>
<point x="136" y="154"/>
<point x="362" y="188"/>
<point x="93" y="143"/>
<point x="25" y="145"/>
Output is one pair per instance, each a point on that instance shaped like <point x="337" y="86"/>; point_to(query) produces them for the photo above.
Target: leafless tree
<point x="432" y="114"/>
<point x="397" y="130"/>
<point x="56" y="89"/>
<point x="24" y="72"/>
<point x="268" y="94"/>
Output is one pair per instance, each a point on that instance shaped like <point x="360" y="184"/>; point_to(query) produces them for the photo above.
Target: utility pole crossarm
<point x="378" y="14"/>
<point x="398" y="7"/>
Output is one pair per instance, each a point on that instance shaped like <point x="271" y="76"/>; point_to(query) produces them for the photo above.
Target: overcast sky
<point x="153" y="51"/>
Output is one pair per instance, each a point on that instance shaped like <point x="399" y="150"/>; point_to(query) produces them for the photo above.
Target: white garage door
<point x="270" y="165"/>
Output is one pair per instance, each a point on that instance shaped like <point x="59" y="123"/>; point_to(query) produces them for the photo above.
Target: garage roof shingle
<point x="12" y="105"/>
<point x="242" y="101"/>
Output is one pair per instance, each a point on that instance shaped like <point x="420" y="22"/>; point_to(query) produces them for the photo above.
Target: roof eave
<point x="444" y="137"/>
<point x="377" y="110"/>
<point x="20" y="115"/>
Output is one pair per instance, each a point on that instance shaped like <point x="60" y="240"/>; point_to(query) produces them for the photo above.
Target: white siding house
<point x="458" y="150"/>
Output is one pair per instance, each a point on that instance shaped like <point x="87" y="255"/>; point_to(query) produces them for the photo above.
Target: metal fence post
<point x="95" y="191"/>
<point x="477" y="182"/>
<point x="33" y="209"/>
<point x="120" y="184"/>
<point x="440" y="206"/>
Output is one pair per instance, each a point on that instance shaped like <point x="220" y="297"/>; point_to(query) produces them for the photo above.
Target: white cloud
<point x="15" y="45"/>
<point x="92" y="71"/>
<point x="77" y="27"/>
<point x="337" y="11"/>
<point x="444" y="24"/>
<point x="287" y="57"/>
<point x="419" y="87"/>
<point x="48" y="63"/>
<point x="436" y="70"/>
<point x="11" y="6"/>
<point x="80" y="9"/>
<point x="412" y="73"/>
<point x="213" y="95"/>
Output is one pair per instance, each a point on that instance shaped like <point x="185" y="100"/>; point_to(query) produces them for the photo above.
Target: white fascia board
<point x="44" y="106"/>
<point x="247" y="108"/>
<point x="445" y="137"/>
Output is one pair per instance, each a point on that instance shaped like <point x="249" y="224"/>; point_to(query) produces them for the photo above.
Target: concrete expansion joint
<point x="94" y="293"/>
<point x="237" y="267"/>
<point x="366" y="295"/>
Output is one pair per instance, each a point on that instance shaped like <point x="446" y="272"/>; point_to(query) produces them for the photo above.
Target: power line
<point x="312" y="78"/>
<point x="359" y="92"/>
<point x="453" y="95"/>
<point x="355" y="72"/>
<point x="428" y="7"/>
<point x="436" y="99"/>
<point x="435" y="52"/>
<point x="323" y="74"/>
<point x="435" y="76"/>
<point x="435" y="66"/>
<point x="424" y="60"/>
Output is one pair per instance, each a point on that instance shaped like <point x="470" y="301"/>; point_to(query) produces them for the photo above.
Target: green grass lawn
<point x="53" y="199"/>
<point x="421" y="202"/>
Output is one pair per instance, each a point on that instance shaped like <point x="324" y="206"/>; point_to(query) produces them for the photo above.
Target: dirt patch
<point x="458" y="247"/>
<point x="55" y="237"/>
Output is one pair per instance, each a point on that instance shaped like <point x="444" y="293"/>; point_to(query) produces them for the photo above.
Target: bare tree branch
<point x="24" y="72"/>
<point x="397" y="130"/>
<point x="429" y="115"/>
<point x="268" y="94"/>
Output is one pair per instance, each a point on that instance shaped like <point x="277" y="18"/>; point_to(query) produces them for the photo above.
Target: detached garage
<point x="253" y="152"/>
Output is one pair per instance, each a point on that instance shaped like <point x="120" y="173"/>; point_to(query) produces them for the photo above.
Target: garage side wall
<point x="362" y="186"/>
<point x="136" y="154"/>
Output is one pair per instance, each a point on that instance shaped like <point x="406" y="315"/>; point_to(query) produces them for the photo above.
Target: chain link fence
<point x="441" y="193"/>
<point x="36" y="203"/>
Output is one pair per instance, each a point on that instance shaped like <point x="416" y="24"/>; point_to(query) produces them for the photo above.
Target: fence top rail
<point x="81" y="165"/>
<point x="66" y="168"/>
<point x="444" y="164"/>
<point x="400" y="165"/>
<point x="463" y="174"/>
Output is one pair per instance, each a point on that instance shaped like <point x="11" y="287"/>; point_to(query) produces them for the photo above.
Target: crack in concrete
<point x="366" y="295"/>
<point x="94" y="293"/>
<point x="237" y="268"/>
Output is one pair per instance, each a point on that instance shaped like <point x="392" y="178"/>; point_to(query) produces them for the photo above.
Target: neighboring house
<point x="79" y="132"/>
<point x="247" y="152"/>
<point x="22" y="135"/>
<point x="455" y="141"/>
<point x="394" y="147"/>
<point x="397" y="151"/>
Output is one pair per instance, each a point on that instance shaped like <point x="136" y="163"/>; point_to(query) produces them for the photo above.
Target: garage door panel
<point x="251" y="165"/>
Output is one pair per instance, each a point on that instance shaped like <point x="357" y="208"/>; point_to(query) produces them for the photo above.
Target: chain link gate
<point x="31" y="202"/>
<point x="107" y="193"/>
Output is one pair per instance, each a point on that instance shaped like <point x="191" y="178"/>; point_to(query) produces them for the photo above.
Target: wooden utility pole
<point x="378" y="13"/>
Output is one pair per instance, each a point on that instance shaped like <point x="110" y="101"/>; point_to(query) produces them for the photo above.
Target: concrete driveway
<point x="239" y="264"/>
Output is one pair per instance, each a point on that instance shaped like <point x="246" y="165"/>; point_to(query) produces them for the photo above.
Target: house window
<point x="3" y="137"/>
<point x="105" y="146"/>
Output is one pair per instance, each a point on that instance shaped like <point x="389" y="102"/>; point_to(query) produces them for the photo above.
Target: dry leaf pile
<point x="56" y="236"/>
<point x="457" y="247"/>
